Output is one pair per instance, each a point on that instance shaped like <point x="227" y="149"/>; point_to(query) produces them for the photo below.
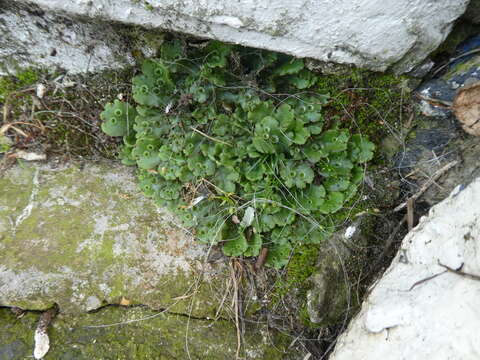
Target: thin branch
<point x="427" y="184"/>
<point x="236" y="309"/>
<point x="410" y="213"/>
<point x="426" y="279"/>
<point x="261" y="259"/>
<point x="459" y="271"/>
<point x="455" y="59"/>
<point x="436" y="102"/>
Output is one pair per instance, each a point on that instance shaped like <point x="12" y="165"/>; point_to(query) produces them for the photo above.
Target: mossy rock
<point x="158" y="336"/>
<point x="82" y="236"/>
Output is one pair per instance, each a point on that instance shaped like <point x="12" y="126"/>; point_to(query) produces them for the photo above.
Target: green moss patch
<point x="72" y="236"/>
<point x="139" y="333"/>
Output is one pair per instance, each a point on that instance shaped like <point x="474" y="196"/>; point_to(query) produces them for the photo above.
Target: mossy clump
<point x="235" y="141"/>
<point x="372" y="103"/>
<point x="116" y="332"/>
<point x="296" y="280"/>
<point x="9" y="84"/>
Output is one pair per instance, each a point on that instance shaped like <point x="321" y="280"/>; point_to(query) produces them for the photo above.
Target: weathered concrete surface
<point x="32" y="37"/>
<point x="82" y="236"/>
<point x="418" y="310"/>
<point x="158" y="336"/>
<point x="372" y="34"/>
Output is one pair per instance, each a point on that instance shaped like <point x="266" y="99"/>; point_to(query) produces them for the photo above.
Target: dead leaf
<point x="261" y="259"/>
<point x="466" y="107"/>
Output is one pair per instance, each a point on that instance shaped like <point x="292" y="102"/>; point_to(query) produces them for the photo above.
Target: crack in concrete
<point x="159" y="312"/>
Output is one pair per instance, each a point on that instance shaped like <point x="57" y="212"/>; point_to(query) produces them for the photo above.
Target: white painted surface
<point x="374" y="34"/>
<point x="407" y="318"/>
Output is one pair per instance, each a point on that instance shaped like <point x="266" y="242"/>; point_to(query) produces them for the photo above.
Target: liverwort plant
<point x="236" y="142"/>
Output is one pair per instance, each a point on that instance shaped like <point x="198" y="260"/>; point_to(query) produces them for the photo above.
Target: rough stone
<point x="370" y="34"/>
<point x="418" y="310"/>
<point x="33" y="37"/>
<point x="473" y="12"/>
<point x="330" y="294"/>
<point x="437" y="138"/>
<point x="82" y="236"/>
<point x="139" y="333"/>
<point x="438" y="94"/>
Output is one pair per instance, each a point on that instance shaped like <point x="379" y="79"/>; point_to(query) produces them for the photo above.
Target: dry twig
<point x="459" y="271"/>
<point x="6" y="105"/>
<point x="427" y="184"/>
<point x="237" y="307"/>
<point x="261" y="259"/>
<point x="426" y="279"/>
<point x="471" y="52"/>
<point x="447" y="268"/>
<point x="410" y="213"/>
<point x="436" y="102"/>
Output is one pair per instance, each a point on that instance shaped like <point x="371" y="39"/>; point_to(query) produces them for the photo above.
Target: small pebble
<point x="41" y="90"/>
<point x="350" y="231"/>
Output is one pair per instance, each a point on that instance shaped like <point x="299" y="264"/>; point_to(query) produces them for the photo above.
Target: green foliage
<point x="9" y="84"/>
<point x="118" y="118"/>
<point x="213" y="145"/>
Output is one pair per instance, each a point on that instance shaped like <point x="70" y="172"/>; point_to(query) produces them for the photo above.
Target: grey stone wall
<point x="373" y="34"/>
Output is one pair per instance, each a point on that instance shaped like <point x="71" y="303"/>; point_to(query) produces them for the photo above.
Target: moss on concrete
<point x="24" y="78"/>
<point x="159" y="336"/>
<point x="83" y="237"/>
